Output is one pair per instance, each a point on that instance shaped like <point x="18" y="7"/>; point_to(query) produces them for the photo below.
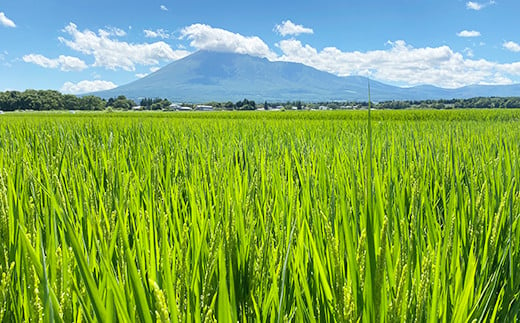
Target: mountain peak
<point x="223" y="76"/>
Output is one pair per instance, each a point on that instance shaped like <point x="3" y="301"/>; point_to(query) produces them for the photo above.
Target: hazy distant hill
<point x="212" y="76"/>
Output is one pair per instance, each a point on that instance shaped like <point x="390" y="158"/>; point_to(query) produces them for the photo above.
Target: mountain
<point x="213" y="76"/>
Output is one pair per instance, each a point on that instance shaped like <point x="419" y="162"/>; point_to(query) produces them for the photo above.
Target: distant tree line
<point x="472" y="103"/>
<point x="42" y="100"/>
<point x="476" y="103"/>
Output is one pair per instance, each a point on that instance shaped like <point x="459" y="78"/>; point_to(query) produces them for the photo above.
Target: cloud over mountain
<point x="205" y="37"/>
<point x="86" y="86"/>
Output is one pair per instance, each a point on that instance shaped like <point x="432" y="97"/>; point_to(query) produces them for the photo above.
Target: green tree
<point x="229" y="105"/>
<point x="70" y="102"/>
<point x="246" y="105"/>
<point x="91" y="102"/>
<point x="121" y="102"/>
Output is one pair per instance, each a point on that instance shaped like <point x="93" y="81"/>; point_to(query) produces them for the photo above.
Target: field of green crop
<point x="260" y="217"/>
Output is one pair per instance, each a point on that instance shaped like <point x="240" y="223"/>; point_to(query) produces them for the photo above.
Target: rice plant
<point x="264" y="217"/>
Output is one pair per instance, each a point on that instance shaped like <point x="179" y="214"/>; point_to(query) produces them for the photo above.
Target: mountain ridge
<point x="217" y="76"/>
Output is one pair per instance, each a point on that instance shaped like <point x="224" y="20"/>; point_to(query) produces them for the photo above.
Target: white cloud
<point x="114" y="54"/>
<point x="112" y="31"/>
<point x="469" y="52"/>
<point x="3" y="59"/>
<point x="164" y="8"/>
<point x="402" y="64"/>
<point x="4" y="21"/>
<point x="498" y="78"/>
<point x="159" y="33"/>
<point x="469" y="33"/>
<point x="65" y="63"/>
<point x="474" y="5"/>
<point x="70" y="63"/>
<point x="141" y="75"/>
<point x="512" y="68"/>
<point x="289" y="28"/>
<point x="41" y="60"/>
<point x="86" y="86"/>
<point x="150" y="34"/>
<point x="512" y="46"/>
<point x="471" y="5"/>
<point x="154" y="69"/>
<point x="205" y="37"/>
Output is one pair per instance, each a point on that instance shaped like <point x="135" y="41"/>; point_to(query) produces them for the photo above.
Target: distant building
<point x="137" y="108"/>
<point x="178" y="107"/>
<point x="204" y="108"/>
<point x="322" y="107"/>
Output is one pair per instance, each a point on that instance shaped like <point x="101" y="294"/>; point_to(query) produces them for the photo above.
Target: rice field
<point x="260" y="217"/>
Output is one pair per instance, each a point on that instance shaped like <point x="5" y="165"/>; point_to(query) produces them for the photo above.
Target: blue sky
<point x="80" y="46"/>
